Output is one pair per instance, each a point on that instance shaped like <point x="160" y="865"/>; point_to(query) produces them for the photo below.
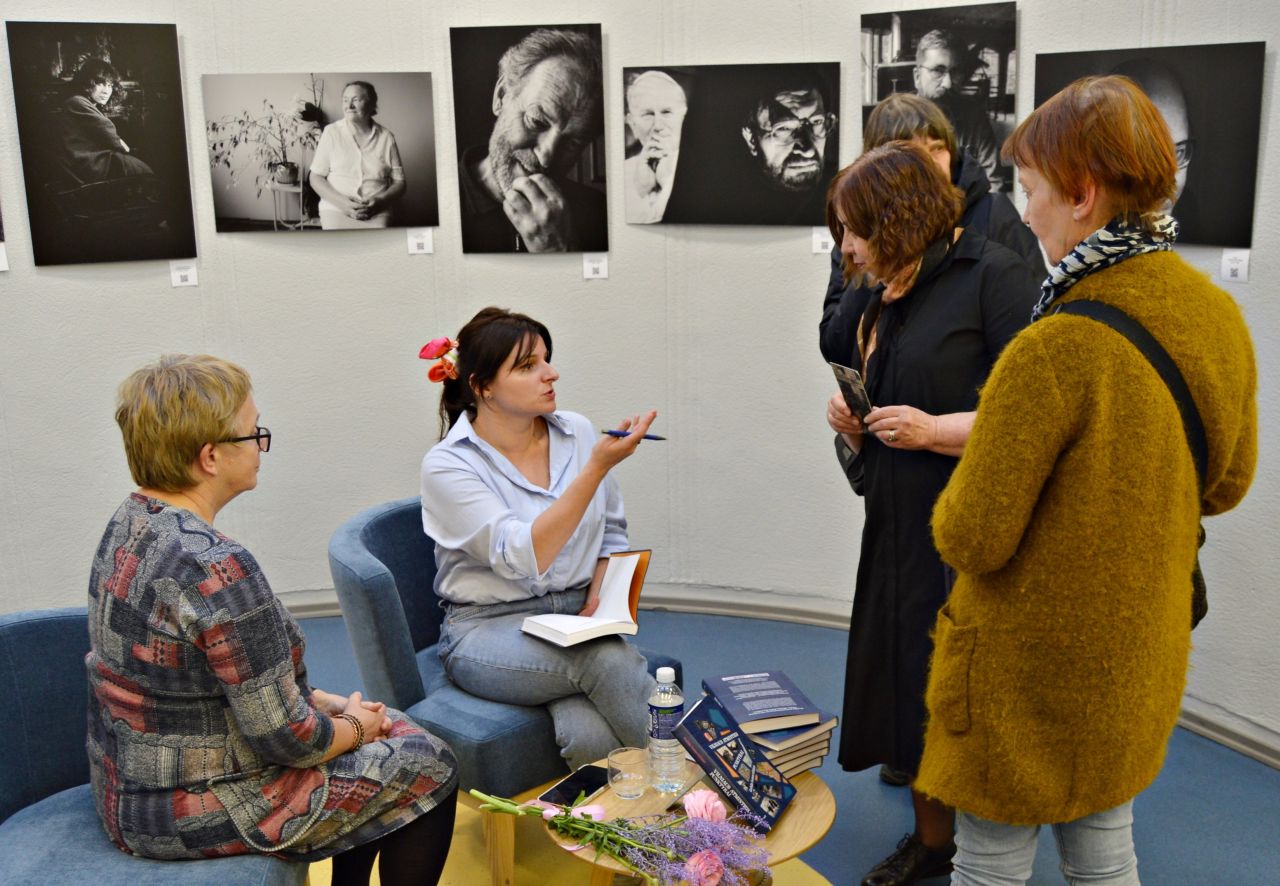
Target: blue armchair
<point x="383" y="567"/>
<point x="49" y="829"/>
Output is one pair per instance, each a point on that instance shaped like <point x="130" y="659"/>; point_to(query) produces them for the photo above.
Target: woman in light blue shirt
<point x="518" y="498"/>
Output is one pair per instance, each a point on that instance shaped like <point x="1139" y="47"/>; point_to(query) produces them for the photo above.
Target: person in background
<point x="946" y="302"/>
<point x="656" y="107"/>
<point x="519" y="499"/>
<point x="92" y="149"/>
<point x="204" y="736"/>
<point x="909" y="117"/>
<point x="357" y="169"/>
<point x="1060" y="658"/>
<point x="944" y="64"/>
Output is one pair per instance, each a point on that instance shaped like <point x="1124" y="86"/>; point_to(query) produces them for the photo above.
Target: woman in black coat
<point x="943" y="301"/>
<point x="910" y="117"/>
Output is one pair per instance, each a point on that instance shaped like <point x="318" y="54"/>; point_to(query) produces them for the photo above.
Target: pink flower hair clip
<point x="445" y="352"/>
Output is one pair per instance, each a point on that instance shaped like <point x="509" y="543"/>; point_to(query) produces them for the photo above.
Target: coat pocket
<point x="947" y="696"/>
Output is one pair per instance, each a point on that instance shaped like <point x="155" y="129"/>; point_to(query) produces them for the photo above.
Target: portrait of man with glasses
<point x="759" y="146"/>
<point x="1210" y="97"/>
<point x="961" y="58"/>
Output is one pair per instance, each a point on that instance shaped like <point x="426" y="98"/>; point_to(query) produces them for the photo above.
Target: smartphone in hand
<point x="855" y="393"/>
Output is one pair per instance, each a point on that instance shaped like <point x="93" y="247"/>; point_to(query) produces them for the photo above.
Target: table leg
<point x="500" y="834"/>
<point x="601" y="876"/>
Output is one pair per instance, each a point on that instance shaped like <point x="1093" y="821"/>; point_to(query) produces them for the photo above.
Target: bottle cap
<point x="666" y="675"/>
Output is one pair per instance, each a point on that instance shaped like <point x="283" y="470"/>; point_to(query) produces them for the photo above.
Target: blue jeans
<point x="1096" y="849"/>
<point x="597" y="692"/>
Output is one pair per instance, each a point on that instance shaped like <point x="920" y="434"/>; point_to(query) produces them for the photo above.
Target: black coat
<point x="936" y="346"/>
<point x="990" y="214"/>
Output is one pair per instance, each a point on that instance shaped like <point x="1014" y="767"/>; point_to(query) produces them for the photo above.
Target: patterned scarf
<point x="1103" y="248"/>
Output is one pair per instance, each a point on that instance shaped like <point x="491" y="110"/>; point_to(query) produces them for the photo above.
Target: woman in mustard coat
<point x="1072" y="518"/>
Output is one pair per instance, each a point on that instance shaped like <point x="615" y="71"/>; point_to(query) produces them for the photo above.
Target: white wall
<point x="714" y="327"/>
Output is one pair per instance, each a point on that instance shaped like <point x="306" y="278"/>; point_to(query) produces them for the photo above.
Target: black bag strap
<point x="1160" y="360"/>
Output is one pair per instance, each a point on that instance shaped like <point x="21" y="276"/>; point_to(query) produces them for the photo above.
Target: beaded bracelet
<point x="357" y="726"/>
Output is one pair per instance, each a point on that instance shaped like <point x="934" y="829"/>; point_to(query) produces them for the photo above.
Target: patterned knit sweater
<point x="1061" y="655"/>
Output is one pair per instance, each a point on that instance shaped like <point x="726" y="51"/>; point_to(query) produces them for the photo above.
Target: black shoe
<point x="895" y="777"/>
<point x="911" y="861"/>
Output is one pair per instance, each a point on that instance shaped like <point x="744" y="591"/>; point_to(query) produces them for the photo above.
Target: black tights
<point x="413" y="854"/>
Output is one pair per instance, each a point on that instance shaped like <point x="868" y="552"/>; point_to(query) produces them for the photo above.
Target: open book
<point x="616" y="614"/>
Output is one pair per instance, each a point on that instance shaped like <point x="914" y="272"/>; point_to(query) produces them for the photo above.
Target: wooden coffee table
<point x="804" y="823"/>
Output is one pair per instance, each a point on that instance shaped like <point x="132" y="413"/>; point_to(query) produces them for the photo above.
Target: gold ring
<point x="893" y="435"/>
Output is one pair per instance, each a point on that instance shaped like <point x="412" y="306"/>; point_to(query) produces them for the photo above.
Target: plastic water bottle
<point x="666" y="754"/>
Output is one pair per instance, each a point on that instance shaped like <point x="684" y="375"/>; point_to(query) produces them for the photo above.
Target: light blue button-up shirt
<point x="480" y="510"/>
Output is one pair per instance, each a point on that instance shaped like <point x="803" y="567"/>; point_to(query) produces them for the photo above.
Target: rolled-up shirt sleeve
<point x="615" y="520"/>
<point x="320" y="162"/>
<point x="462" y="512"/>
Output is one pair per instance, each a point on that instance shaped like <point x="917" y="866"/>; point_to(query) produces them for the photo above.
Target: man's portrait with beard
<point x="759" y="146"/>
<point x="530" y="132"/>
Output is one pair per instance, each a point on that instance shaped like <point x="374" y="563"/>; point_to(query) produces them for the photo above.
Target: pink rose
<point x="704" y="804"/>
<point x="704" y="868"/>
<point x="436" y="348"/>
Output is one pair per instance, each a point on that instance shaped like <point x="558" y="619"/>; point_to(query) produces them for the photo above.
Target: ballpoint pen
<point x="613" y="432"/>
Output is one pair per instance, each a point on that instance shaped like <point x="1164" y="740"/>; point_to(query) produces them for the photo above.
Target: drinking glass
<point x="628" y="772"/>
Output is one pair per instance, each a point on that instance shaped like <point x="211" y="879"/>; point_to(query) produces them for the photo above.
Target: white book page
<point x="615" y="589"/>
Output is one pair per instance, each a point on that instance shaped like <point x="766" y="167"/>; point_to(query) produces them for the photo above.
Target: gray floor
<point x="1212" y="817"/>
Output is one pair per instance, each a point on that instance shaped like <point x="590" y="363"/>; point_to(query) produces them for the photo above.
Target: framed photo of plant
<point x="321" y="151"/>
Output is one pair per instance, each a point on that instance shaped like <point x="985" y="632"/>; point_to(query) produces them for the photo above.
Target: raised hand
<point x="536" y="207"/>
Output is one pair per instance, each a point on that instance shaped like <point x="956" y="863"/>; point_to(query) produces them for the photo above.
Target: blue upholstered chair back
<point x="45" y="697"/>
<point x="394" y="535"/>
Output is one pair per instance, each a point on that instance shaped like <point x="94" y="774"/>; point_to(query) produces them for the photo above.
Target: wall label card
<point x="421" y="241"/>
<point x="822" y="241"/>
<point x="1235" y="265"/>
<point x="595" y="266"/>
<point x="183" y="273"/>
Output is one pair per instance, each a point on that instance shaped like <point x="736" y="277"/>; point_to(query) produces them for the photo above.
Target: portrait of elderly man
<point x="531" y="177"/>
<point x="758" y="146"/>
<point x="655" y="110"/>
<point x="1210" y="97"/>
<point x="944" y="65"/>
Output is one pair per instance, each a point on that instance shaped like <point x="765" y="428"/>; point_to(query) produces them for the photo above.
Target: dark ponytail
<point x="483" y="347"/>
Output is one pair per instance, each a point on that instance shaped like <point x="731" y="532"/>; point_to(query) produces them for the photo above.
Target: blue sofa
<point x="49" y="829"/>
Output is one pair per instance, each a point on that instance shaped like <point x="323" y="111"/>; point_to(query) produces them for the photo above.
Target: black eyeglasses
<point x="788" y="132"/>
<point x="1183" y="150"/>
<point x="261" y="434"/>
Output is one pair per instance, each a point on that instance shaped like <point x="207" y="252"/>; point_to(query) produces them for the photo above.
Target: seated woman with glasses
<point x="518" y="498"/>
<point x="205" y="737"/>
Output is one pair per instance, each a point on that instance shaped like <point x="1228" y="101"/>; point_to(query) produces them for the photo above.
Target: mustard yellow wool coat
<point x="1061" y="655"/>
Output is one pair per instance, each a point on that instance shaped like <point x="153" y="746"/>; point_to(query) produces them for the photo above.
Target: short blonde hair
<point x="168" y="409"/>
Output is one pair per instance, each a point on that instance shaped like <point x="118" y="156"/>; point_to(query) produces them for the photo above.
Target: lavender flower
<point x="664" y="849"/>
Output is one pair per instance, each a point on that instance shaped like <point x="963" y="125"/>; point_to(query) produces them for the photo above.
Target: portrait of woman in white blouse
<point x="357" y="169"/>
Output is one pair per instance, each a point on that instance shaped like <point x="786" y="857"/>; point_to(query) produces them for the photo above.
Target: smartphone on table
<point x="855" y="393"/>
<point x="588" y="780"/>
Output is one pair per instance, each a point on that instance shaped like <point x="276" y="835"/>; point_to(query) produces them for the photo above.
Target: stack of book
<point x="792" y="732"/>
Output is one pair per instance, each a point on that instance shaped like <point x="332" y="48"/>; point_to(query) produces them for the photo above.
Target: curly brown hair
<point x="897" y="199"/>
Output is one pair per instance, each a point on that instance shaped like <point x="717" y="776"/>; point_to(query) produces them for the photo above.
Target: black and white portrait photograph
<point x="528" y="107"/>
<point x="1211" y="98"/>
<point x="104" y="146"/>
<point x="321" y="151"/>
<point x="962" y="58"/>
<point x="730" y="144"/>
